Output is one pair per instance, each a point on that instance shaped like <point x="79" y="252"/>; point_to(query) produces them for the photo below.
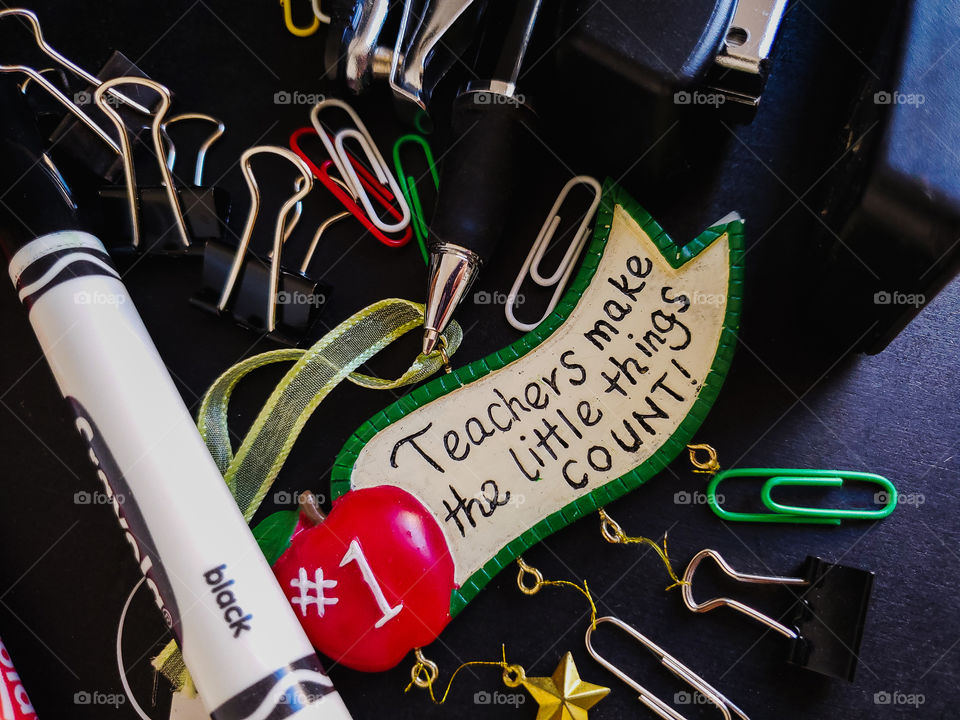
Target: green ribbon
<point x="251" y="470"/>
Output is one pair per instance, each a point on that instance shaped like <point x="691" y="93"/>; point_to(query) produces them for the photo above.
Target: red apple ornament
<point x="372" y="581"/>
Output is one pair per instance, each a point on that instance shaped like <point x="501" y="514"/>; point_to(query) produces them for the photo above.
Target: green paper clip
<point x="780" y="513"/>
<point x="409" y="187"/>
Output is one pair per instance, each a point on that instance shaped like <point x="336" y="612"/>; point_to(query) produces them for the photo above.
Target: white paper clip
<point x="360" y="134"/>
<point x="562" y="274"/>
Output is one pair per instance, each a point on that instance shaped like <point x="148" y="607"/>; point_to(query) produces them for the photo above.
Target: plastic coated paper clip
<point x="343" y="191"/>
<point x="783" y="513"/>
<point x="784" y="477"/>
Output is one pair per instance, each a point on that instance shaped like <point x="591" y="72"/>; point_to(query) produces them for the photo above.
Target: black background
<point x="797" y="396"/>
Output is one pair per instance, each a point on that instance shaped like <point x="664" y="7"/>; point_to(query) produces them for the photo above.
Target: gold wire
<point x="539" y="582"/>
<point x="614" y="534"/>
<point x="513" y="675"/>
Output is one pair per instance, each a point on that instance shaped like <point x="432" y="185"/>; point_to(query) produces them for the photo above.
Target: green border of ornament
<point x="613" y="195"/>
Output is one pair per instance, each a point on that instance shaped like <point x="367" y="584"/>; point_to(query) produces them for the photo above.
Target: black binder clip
<point x="166" y="219"/>
<point x="827" y="627"/>
<point x="71" y="139"/>
<point x="150" y="226"/>
<point x="207" y="209"/>
<point x="258" y="292"/>
<point x="95" y="149"/>
<point x="47" y="111"/>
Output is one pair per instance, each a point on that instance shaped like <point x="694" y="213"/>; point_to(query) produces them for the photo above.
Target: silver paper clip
<point x="282" y="227"/>
<point x="202" y="152"/>
<point x="540" y="246"/>
<point x="653" y="702"/>
<point x="37" y="77"/>
<point x="335" y="148"/>
<point x="126" y="153"/>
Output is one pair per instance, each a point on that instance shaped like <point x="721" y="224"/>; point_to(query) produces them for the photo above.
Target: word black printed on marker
<point x="232" y="612"/>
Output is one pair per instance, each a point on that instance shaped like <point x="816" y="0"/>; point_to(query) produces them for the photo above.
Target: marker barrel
<point x="244" y="647"/>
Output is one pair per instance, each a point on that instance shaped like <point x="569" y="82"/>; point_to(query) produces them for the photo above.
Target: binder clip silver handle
<point x="202" y="152"/>
<point x="126" y="153"/>
<point x="564" y="270"/>
<point x="714" y="603"/>
<point x="37" y="77"/>
<point x="280" y="227"/>
<point x="653" y="702"/>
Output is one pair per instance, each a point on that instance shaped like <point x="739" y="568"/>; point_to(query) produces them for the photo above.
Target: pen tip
<point x="431" y="339"/>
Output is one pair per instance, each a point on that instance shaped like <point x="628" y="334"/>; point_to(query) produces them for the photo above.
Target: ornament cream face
<point x="440" y="491"/>
<point x="602" y="396"/>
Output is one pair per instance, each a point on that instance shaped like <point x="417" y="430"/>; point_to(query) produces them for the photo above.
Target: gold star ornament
<point x="564" y="696"/>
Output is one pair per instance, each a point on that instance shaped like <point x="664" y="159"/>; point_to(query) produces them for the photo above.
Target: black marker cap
<point x="34" y="199"/>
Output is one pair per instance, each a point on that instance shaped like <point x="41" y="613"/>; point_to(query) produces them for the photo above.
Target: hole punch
<point x="344" y="193"/>
<point x="825" y="630"/>
<point x="651" y="701"/>
<point x="133" y="196"/>
<point x="564" y="270"/>
<point x="262" y="295"/>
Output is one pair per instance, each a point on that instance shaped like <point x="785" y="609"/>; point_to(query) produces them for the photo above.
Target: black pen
<point x="490" y="122"/>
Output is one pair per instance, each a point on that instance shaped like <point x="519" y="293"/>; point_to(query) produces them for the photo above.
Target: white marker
<point x="241" y="641"/>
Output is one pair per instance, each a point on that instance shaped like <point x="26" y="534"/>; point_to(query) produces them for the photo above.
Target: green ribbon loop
<point x="250" y="471"/>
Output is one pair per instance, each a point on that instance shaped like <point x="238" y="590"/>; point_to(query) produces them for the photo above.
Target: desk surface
<point x="792" y="399"/>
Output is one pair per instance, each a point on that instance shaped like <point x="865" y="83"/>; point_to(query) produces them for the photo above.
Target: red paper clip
<point x="373" y="186"/>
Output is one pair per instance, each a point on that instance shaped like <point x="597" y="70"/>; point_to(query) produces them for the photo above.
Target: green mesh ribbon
<point x="250" y="471"/>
